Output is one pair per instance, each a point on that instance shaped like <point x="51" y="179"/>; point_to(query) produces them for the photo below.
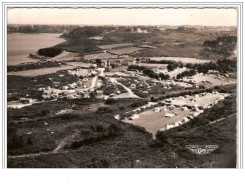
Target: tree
<point x="98" y="61"/>
<point x="92" y="94"/>
<point x="164" y="76"/>
<point x="107" y="69"/>
<point x="170" y="67"/>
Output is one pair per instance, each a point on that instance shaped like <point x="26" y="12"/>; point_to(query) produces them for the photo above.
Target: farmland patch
<point x="123" y="51"/>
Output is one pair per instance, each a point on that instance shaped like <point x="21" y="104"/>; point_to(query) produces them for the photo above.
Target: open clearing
<point x="211" y="78"/>
<point x="158" y="66"/>
<point x="153" y="121"/>
<point x="101" y="56"/>
<point x="80" y="64"/>
<point x="200" y="101"/>
<point x="180" y="59"/>
<point x="115" y="74"/>
<point x="66" y="55"/>
<point x="124" y="51"/>
<point x="114" y="45"/>
<point x="43" y="71"/>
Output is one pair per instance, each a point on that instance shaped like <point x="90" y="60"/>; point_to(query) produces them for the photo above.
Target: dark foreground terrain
<point x="89" y="136"/>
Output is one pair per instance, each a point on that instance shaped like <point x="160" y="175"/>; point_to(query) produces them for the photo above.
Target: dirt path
<point x="63" y="142"/>
<point x="37" y="154"/>
<point x="131" y="94"/>
<point x="94" y="79"/>
<point x="60" y="146"/>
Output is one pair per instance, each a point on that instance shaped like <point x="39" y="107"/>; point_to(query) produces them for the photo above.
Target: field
<point x="124" y="51"/>
<point x="66" y="56"/>
<point x="99" y="56"/>
<point x="199" y="101"/>
<point x="33" y="73"/>
<point x="153" y="121"/>
<point x="181" y="59"/>
<point x="211" y="78"/>
<point x="108" y="47"/>
<point x="158" y="66"/>
<point x="79" y="64"/>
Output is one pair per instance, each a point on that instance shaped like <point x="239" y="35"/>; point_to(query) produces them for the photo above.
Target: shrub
<point x="139" y="103"/>
<point x="110" y="101"/>
<point x="14" y="140"/>
<point x="105" y="110"/>
<point x="45" y="112"/>
<point x="69" y="116"/>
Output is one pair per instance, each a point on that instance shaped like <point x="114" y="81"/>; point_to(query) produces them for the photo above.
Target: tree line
<point x="149" y="72"/>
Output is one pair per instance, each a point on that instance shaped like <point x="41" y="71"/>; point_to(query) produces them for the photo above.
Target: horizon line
<point x="129" y="25"/>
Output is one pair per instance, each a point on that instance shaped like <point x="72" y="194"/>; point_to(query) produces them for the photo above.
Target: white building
<point x="139" y="30"/>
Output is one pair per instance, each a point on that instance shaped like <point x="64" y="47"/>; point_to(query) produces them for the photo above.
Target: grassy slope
<point x="169" y="43"/>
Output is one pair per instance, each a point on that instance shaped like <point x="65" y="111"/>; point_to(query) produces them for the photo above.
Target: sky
<point x="124" y="16"/>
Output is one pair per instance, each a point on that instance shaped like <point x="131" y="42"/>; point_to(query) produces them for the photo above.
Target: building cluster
<point x="171" y="110"/>
<point x="138" y="30"/>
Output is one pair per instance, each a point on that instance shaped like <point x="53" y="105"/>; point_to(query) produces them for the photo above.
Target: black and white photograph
<point x="121" y="98"/>
<point x="121" y="88"/>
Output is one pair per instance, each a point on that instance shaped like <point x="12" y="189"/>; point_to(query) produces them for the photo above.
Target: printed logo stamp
<point x="202" y="149"/>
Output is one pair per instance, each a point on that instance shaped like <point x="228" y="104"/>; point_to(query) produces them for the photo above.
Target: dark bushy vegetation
<point x="86" y="32"/>
<point x="95" y="134"/>
<point x="222" y="46"/>
<point x="186" y="73"/>
<point x="110" y="101"/>
<point x="49" y="52"/>
<point x="104" y="110"/>
<point x="32" y="66"/>
<point x="172" y="67"/>
<point x="138" y="103"/>
<point x="112" y="89"/>
<point x="147" y="71"/>
<point x="19" y="86"/>
<point x="14" y="140"/>
<point x="183" y="93"/>
<point x="223" y="109"/>
<point x="99" y="163"/>
<point x="223" y="66"/>
<point x="164" y="76"/>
